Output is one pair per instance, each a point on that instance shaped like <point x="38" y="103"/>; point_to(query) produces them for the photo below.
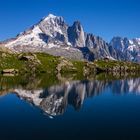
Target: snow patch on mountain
<point x="32" y="38"/>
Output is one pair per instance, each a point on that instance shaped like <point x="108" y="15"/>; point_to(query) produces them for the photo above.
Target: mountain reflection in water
<point x="55" y="99"/>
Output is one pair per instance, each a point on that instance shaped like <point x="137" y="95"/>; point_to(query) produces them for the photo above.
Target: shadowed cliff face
<point x="76" y="35"/>
<point x="55" y="99"/>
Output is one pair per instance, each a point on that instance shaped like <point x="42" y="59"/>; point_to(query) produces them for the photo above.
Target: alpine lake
<point x="103" y="107"/>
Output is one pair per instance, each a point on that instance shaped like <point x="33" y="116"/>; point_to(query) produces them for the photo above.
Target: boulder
<point x="29" y="57"/>
<point x="65" y="65"/>
<point x="12" y="71"/>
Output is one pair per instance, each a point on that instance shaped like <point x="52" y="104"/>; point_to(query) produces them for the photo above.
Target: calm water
<point x="97" y="110"/>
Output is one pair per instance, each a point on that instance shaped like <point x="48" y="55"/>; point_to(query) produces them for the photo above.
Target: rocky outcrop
<point x="65" y="65"/>
<point x="89" y="69"/>
<point x="29" y="57"/>
<point x="107" y="65"/>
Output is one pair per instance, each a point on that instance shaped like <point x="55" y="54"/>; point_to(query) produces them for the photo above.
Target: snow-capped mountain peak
<point x="53" y="19"/>
<point x="49" y="30"/>
<point x="54" y="36"/>
<point x="50" y="16"/>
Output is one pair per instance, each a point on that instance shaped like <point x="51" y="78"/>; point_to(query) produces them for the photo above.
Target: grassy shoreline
<point x="44" y="63"/>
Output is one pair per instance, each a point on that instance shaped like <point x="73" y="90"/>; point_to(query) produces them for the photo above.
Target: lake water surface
<point x="76" y="109"/>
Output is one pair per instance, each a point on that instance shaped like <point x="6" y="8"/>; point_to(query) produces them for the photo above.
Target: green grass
<point x="10" y="61"/>
<point x="48" y="62"/>
<point x="77" y="73"/>
<point x="78" y="65"/>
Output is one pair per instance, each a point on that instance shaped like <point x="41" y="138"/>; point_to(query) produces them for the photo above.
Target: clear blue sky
<point x="106" y="18"/>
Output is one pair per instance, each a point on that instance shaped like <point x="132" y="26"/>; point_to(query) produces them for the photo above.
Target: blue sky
<point x="106" y="18"/>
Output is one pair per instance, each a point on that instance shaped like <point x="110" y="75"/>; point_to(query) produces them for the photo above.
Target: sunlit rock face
<point x="55" y="99"/>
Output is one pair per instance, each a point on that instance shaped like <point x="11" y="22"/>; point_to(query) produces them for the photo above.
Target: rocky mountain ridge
<point x="54" y="36"/>
<point x="129" y="48"/>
